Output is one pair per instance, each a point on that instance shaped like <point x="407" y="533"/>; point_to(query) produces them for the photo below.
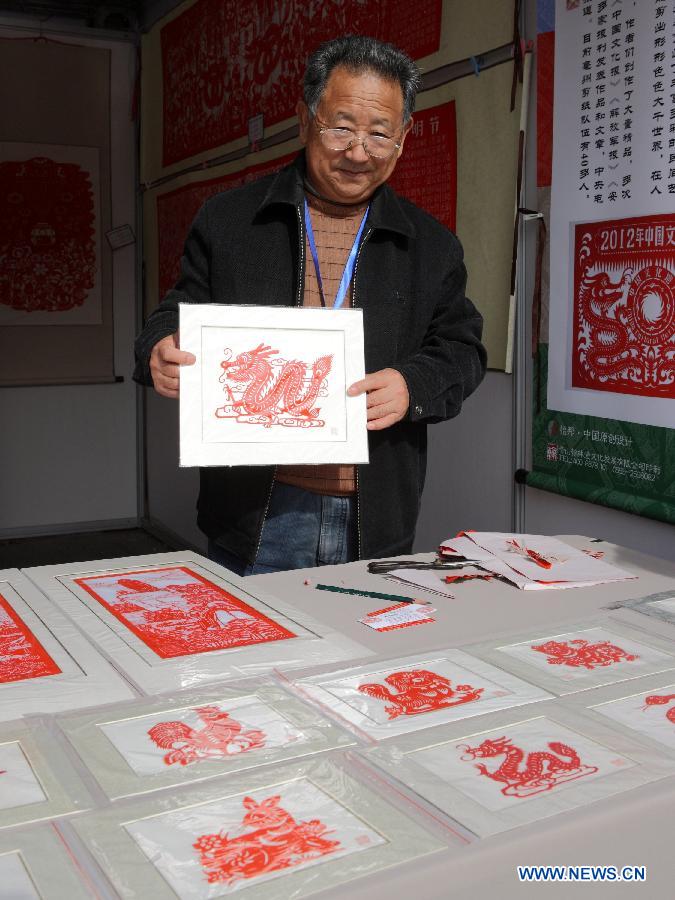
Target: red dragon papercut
<point x="221" y="736"/>
<point x="524" y="774"/>
<point x="272" y="840"/>
<point x="583" y="654"/>
<point x="266" y="390"/>
<point x="419" y="691"/>
<point x="660" y="700"/>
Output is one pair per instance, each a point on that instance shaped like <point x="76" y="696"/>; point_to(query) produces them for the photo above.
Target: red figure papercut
<point x="221" y="736"/>
<point x="183" y="619"/>
<point x="21" y="654"/>
<point x="419" y="691"/>
<point x="272" y="840"/>
<point x="47" y="236"/>
<point x="583" y="654"/>
<point x="526" y="774"/>
<point x="266" y="390"/>
<point x="660" y="700"/>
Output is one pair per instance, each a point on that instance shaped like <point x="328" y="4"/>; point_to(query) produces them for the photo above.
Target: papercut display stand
<point x="46" y="665"/>
<point x="175" y="620"/>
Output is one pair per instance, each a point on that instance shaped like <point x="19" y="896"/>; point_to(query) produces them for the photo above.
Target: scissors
<point x="382" y="566"/>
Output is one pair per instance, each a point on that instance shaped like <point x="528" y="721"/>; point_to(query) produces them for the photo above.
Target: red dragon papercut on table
<point x="583" y="654"/>
<point x="624" y="306"/>
<point x="419" y="691"/>
<point x="221" y="736"/>
<point x="21" y="654"/>
<point x="661" y="700"/>
<point x="273" y="840"/>
<point x="47" y="236"/>
<point x="524" y="774"/>
<point x="264" y="389"/>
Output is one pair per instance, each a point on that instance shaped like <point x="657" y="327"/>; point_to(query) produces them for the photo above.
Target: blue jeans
<point x="301" y="530"/>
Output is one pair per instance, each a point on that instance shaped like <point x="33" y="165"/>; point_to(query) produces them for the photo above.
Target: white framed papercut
<point x="513" y="772"/>
<point x="580" y="657"/>
<point x="138" y="747"/>
<point x="396" y="696"/>
<point x="174" y="620"/>
<point x="35" y="865"/>
<point x="658" y="607"/>
<point x="284" y="831"/>
<point x="270" y="386"/>
<point x="46" y="665"/>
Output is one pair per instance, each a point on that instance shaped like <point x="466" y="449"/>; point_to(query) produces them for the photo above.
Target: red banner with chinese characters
<point x="21" y="654"/>
<point x="225" y="62"/>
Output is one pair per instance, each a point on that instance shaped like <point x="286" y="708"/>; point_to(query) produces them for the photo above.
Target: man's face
<point x="363" y="102"/>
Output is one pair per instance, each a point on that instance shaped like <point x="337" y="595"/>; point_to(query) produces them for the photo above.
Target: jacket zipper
<point x="358" y="493"/>
<point x="298" y="302"/>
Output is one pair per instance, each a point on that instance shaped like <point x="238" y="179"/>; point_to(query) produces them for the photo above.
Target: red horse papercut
<point x="264" y="389"/>
<point x="183" y="619"/>
<point x="21" y="654"/>
<point x="661" y="700"/>
<point x="221" y="736"/>
<point x="524" y="774"/>
<point x="583" y="654"/>
<point x="272" y="840"/>
<point x="419" y="691"/>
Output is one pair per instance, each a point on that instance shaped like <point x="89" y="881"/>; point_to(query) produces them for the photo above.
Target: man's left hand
<point x="388" y="399"/>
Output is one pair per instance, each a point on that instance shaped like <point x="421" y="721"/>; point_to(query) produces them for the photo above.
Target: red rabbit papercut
<point x="21" y="654"/>
<point x="419" y="691"/>
<point x="221" y="736"/>
<point x="661" y="700"/>
<point x="272" y="840"/>
<point x="264" y="389"/>
<point x="583" y="654"/>
<point x="526" y="773"/>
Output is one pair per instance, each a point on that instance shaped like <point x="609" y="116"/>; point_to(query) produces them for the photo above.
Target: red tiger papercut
<point x="221" y="736"/>
<point x="661" y="700"/>
<point x="184" y="619"/>
<point x="273" y="840"/>
<point x="419" y="691"/>
<point x="624" y="306"/>
<point x="21" y="654"/>
<point x="47" y="236"/>
<point x="583" y="654"/>
<point x="524" y="774"/>
<point x="264" y="389"/>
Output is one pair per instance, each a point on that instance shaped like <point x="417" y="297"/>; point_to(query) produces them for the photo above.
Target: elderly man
<point x="328" y="231"/>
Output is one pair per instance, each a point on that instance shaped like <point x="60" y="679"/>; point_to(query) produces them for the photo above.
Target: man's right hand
<point x="165" y="361"/>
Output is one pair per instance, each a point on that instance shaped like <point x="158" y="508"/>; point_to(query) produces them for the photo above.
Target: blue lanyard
<point x="348" y="273"/>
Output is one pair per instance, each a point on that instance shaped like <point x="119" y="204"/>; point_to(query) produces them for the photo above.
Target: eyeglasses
<point x="379" y="146"/>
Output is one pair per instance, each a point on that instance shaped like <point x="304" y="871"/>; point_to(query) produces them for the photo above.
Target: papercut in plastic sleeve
<point x="36" y="865"/>
<point x="655" y="608"/>
<point x="515" y="770"/>
<point x="579" y="656"/>
<point x="391" y="697"/>
<point x="174" y="620"/>
<point x="284" y="831"/>
<point x="46" y="665"/>
<point x="189" y="736"/>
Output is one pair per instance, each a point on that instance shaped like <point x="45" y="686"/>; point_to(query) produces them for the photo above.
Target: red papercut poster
<point x="582" y="654"/>
<point x="426" y="173"/>
<point x="177" y="209"/>
<point x="225" y="62"/>
<point x="221" y="735"/>
<point x="47" y="235"/>
<point x="624" y="306"/>
<point x="21" y="654"/>
<point x="176" y="612"/>
<point x="418" y="691"/>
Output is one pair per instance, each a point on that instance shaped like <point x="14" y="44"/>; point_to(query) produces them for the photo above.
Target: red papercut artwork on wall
<point x="273" y="840"/>
<point x="21" y="654"/>
<point x="419" y="691"/>
<point x="47" y="235"/>
<point x="662" y="700"/>
<point x="225" y="62"/>
<point x="221" y="736"/>
<point x="263" y="388"/>
<point x="176" y="612"/>
<point x="426" y="172"/>
<point x="624" y="306"/>
<point x="583" y="654"/>
<point x="526" y="773"/>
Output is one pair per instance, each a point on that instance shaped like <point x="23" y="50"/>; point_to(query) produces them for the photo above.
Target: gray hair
<point x="361" y="54"/>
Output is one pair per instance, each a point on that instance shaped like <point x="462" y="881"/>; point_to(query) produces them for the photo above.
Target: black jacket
<point x="247" y="246"/>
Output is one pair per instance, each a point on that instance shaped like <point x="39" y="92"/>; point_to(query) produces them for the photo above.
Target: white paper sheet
<point x="14" y="878"/>
<point x="35" y="865"/>
<point x="18" y="783"/>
